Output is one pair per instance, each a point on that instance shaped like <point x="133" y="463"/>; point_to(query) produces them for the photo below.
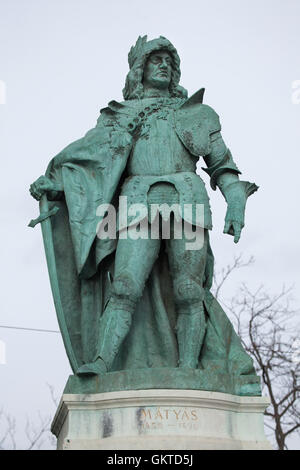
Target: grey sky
<point x="63" y="60"/>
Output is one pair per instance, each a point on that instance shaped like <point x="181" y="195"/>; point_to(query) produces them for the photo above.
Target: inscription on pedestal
<point x="167" y="418"/>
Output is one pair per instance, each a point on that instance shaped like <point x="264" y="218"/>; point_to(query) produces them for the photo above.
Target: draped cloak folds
<point x="81" y="266"/>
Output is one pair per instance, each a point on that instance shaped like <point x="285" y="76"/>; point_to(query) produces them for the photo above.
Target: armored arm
<point x="224" y="173"/>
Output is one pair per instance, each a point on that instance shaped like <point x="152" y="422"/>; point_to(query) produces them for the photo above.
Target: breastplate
<point x="157" y="149"/>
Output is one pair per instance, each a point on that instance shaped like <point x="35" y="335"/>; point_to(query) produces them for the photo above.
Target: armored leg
<point x="187" y="269"/>
<point x="116" y="320"/>
<point x="133" y="264"/>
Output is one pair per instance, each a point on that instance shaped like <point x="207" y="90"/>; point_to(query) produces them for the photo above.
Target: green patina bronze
<point x="138" y="312"/>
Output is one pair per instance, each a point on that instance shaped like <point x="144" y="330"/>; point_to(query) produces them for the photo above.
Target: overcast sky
<point x="63" y="60"/>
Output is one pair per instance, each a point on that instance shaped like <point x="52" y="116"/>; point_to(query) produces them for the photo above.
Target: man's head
<point x="153" y="64"/>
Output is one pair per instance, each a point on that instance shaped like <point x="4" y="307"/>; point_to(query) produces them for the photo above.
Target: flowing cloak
<point x="81" y="266"/>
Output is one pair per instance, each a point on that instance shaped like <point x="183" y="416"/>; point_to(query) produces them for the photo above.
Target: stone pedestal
<point x="161" y="419"/>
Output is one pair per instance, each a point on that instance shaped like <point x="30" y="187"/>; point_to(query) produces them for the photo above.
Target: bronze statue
<point x="140" y="301"/>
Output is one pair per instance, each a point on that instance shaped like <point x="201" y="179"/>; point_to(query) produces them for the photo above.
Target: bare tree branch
<point x="221" y="277"/>
<point x="36" y="434"/>
<point x="268" y="331"/>
<point x="7" y="441"/>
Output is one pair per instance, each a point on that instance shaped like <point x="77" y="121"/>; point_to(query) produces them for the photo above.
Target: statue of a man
<point x="115" y="293"/>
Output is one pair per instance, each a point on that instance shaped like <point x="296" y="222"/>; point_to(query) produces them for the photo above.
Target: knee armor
<point x="187" y="291"/>
<point x="125" y="289"/>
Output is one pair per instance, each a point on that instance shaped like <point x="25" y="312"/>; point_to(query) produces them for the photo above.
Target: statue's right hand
<point x="40" y="187"/>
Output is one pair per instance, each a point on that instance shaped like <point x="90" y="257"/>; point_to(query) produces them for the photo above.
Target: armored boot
<point x="114" y="326"/>
<point x="191" y="326"/>
<point x="98" y="367"/>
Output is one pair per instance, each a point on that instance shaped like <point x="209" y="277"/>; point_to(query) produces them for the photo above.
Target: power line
<point x="29" y="329"/>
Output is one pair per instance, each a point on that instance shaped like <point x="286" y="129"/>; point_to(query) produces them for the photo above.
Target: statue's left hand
<point x="234" y="221"/>
<point x="236" y="196"/>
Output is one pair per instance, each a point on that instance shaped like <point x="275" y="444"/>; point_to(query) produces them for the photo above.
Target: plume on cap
<point x="137" y="50"/>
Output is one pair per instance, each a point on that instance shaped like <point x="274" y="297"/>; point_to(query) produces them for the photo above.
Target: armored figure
<point x="140" y="302"/>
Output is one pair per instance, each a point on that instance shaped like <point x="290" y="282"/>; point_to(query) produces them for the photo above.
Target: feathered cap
<point x="137" y="58"/>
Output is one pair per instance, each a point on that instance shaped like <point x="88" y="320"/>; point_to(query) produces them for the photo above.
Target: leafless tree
<point x="7" y="439"/>
<point x="36" y="433"/>
<point x="269" y="332"/>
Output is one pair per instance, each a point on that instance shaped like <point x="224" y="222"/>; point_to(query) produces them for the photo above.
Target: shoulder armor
<point x="195" y="122"/>
<point x="213" y="122"/>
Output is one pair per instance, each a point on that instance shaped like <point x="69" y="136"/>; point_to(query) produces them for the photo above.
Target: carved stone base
<point x="160" y="420"/>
